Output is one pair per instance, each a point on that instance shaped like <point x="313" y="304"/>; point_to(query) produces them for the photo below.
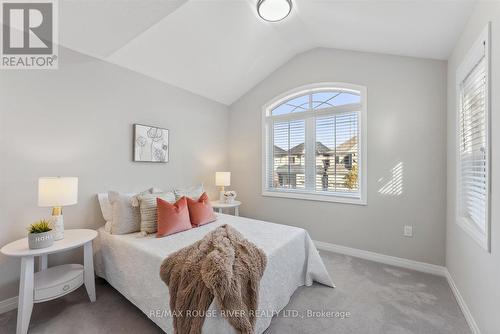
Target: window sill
<point x="314" y="197"/>
<point x="469" y="228"/>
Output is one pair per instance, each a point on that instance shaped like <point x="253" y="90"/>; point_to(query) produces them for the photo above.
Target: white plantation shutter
<point x="473" y="143"/>
<point x="337" y="153"/>
<point x="288" y="171"/>
<point x="312" y="145"/>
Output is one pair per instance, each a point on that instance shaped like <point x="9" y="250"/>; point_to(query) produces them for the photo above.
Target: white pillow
<point x="193" y="192"/>
<point x="106" y="209"/>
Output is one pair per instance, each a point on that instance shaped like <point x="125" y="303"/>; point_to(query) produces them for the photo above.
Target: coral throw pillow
<point x="172" y="218"/>
<point x="200" y="211"/>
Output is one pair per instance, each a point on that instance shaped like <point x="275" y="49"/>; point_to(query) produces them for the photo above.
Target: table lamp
<point x="57" y="192"/>
<point x="222" y="179"/>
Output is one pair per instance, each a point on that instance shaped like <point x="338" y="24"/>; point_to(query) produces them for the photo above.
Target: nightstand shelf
<point x="57" y="281"/>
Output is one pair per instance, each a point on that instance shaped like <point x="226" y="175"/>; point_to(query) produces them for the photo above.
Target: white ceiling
<point x="99" y="27"/>
<point x="220" y="49"/>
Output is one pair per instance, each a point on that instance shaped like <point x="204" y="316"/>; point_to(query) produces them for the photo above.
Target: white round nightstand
<point x="223" y="205"/>
<point x="54" y="282"/>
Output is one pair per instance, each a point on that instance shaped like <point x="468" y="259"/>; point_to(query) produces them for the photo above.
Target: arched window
<point x="315" y="144"/>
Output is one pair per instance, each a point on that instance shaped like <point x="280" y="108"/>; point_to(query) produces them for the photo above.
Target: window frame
<point x="480" y="47"/>
<point x="362" y="142"/>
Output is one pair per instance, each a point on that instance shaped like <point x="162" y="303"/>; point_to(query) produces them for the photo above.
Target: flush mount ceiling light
<point x="274" y="10"/>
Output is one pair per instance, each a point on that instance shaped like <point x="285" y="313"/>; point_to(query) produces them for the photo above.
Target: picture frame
<point x="151" y="144"/>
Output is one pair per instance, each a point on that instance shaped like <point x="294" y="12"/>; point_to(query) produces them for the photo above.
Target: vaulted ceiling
<point x="220" y="49"/>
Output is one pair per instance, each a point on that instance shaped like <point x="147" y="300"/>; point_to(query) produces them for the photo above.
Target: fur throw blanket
<point x="223" y="265"/>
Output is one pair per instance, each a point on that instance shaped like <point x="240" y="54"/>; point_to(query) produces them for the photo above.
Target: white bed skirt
<point x="131" y="264"/>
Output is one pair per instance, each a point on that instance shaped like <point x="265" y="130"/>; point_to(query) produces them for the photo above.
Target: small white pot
<point x="229" y="196"/>
<point x="41" y="240"/>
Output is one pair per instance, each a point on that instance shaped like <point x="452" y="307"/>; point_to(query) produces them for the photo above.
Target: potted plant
<point x="40" y="235"/>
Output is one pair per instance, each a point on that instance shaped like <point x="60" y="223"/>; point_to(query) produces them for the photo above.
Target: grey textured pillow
<point x="126" y="218"/>
<point x="192" y="192"/>
<point x="149" y="215"/>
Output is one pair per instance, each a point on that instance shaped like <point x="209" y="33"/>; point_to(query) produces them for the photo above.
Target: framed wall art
<point x="150" y="143"/>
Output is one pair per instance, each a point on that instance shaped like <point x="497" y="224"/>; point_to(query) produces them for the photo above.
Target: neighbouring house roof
<point x="346" y="147"/>
<point x="279" y="151"/>
<point x="320" y="149"/>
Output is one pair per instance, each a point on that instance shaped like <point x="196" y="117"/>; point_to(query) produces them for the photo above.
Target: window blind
<point x="473" y="150"/>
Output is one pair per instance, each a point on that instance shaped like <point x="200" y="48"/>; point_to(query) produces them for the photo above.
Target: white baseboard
<point x="7" y="305"/>
<point x="386" y="259"/>
<point x="463" y="306"/>
<point x="408" y="264"/>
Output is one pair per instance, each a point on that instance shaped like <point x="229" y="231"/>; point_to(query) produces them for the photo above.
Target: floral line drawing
<point x="150" y="143"/>
<point x="141" y="142"/>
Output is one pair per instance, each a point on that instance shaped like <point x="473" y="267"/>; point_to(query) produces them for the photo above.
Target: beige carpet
<point x="369" y="298"/>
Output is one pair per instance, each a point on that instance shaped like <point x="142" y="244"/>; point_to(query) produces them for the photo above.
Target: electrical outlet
<point x="408" y="231"/>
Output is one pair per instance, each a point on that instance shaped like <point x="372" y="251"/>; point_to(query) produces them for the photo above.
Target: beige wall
<point x="77" y="121"/>
<point x="475" y="271"/>
<point x="406" y="125"/>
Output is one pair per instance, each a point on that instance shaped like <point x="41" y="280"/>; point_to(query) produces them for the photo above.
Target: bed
<point x="131" y="262"/>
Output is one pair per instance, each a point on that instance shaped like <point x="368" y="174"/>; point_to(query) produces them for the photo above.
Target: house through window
<point x="315" y="144"/>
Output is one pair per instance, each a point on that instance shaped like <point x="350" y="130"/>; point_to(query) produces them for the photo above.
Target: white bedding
<point x="131" y="264"/>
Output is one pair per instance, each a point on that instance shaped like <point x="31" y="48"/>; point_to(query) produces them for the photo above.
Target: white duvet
<point x="131" y="264"/>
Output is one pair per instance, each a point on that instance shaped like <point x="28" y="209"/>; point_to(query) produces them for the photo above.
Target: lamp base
<point x="221" y="194"/>
<point x="58" y="223"/>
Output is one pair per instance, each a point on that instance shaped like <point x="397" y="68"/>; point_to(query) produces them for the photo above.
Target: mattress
<point x="131" y="264"/>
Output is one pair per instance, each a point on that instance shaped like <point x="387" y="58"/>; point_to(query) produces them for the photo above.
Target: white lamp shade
<point x="57" y="191"/>
<point x="222" y="179"/>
